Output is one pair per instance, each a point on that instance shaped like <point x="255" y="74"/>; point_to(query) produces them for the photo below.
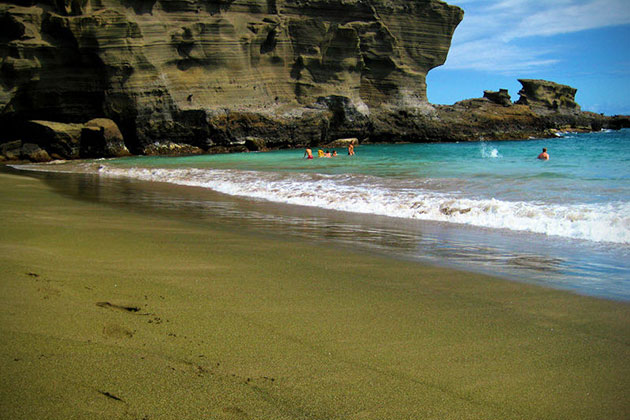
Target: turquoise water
<point x="487" y="206"/>
<point x="584" y="168"/>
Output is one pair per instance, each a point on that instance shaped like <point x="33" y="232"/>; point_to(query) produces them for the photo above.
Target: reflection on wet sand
<point x="489" y="251"/>
<point x="537" y="262"/>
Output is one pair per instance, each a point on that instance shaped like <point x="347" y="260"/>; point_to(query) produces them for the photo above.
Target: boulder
<point x="34" y="153"/>
<point x="101" y="137"/>
<point x="60" y="139"/>
<point x="11" y="150"/>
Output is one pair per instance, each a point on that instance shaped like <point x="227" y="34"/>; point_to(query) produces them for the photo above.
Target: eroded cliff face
<point x="213" y="74"/>
<point x="546" y="95"/>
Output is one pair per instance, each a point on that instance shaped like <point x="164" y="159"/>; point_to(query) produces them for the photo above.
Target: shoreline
<point x="24" y="152"/>
<point x="512" y="252"/>
<point x="113" y="313"/>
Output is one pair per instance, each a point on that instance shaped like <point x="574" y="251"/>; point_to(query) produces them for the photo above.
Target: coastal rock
<point x="102" y="138"/>
<point x="469" y="120"/>
<point x="97" y="138"/>
<point x="164" y="69"/>
<point x="172" y="149"/>
<point x="546" y="95"/>
<point x="34" y="153"/>
<point x="213" y="76"/>
<point x="619" y="121"/>
<point x="11" y="150"/>
<point x="343" y="142"/>
<point x="60" y="139"/>
<point x="502" y="97"/>
<point x="255" y="144"/>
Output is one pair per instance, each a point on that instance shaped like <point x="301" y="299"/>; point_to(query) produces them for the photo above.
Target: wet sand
<point x="108" y="313"/>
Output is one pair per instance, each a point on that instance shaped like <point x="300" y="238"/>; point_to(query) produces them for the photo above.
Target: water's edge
<point x="578" y="266"/>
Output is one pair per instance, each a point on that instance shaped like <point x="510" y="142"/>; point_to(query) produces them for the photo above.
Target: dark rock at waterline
<point x="44" y="140"/>
<point x="101" y="137"/>
<point x="172" y="149"/>
<point x="255" y="144"/>
<point x="59" y="139"/>
<point x="34" y="153"/>
<point x="618" y="121"/>
<point x="11" y="150"/>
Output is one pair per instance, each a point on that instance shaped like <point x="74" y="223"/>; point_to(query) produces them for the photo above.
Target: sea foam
<point x="608" y="222"/>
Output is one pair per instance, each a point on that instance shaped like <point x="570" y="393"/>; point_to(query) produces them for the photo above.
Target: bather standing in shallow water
<point x="544" y="155"/>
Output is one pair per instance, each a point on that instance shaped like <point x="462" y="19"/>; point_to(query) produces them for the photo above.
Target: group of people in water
<point x="308" y="153"/>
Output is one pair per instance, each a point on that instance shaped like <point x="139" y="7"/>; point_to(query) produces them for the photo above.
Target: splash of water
<point x="489" y="153"/>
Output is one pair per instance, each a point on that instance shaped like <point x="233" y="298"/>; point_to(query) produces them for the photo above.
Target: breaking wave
<point x="608" y="222"/>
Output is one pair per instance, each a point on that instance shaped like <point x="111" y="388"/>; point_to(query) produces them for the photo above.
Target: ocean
<point x="488" y="207"/>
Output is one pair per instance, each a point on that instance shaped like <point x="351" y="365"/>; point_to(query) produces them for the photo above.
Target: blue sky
<point x="581" y="43"/>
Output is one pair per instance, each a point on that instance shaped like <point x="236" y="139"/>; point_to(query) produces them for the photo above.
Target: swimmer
<point x="320" y="153"/>
<point x="544" y="155"/>
<point x="351" y="149"/>
<point x="308" y="154"/>
<point x="334" y="153"/>
<point x="327" y="154"/>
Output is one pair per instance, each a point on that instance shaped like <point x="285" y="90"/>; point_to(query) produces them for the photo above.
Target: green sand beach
<point x="123" y="314"/>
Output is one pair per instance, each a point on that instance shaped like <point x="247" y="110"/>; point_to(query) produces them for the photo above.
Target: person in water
<point x="308" y="154"/>
<point x="327" y="154"/>
<point x="320" y="153"/>
<point x="334" y="153"/>
<point x="544" y="155"/>
<point x="351" y="149"/>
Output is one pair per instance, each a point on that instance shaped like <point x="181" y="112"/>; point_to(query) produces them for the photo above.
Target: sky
<point x="581" y="43"/>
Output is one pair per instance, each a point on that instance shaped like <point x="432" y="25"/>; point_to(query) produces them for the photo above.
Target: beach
<point x="114" y="312"/>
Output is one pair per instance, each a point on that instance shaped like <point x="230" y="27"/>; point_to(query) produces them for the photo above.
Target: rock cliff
<point x="89" y="78"/>
<point x="211" y="73"/>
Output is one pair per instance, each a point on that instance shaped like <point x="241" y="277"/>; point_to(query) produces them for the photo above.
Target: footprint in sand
<point x="46" y="290"/>
<point x="116" y="331"/>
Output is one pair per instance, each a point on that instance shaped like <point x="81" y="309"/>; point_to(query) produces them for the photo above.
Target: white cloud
<point x="556" y="19"/>
<point x="498" y="57"/>
<point x="487" y="37"/>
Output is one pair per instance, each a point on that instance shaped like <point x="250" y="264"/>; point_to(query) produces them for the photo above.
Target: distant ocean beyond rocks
<point x="84" y="79"/>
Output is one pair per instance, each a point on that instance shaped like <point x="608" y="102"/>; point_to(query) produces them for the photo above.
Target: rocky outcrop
<point x="548" y="96"/>
<point x="96" y="138"/>
<point x="11" y="150"/>
<point x="63" y="140"/>
<point x="211" y="76"/>
<point x="101" y="137"/>
<point x="502" y="97"/>
<point x="34" y="153"/>
<point x="205" y="72"/>
<point x="16" y="150"/>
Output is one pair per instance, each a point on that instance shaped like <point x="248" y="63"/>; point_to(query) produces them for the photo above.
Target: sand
<point x="112" y="313"/>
